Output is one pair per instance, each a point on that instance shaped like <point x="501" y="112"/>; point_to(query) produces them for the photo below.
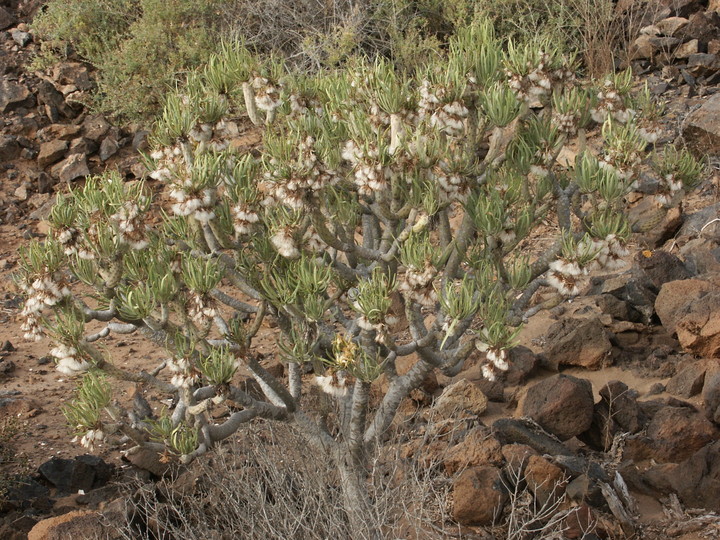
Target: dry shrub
<point x="269" y="484"/>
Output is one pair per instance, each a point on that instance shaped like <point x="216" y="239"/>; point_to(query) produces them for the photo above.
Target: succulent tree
<point x="383" y="216"/>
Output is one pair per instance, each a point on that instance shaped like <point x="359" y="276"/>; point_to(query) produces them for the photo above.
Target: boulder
<point x="577" y="342"/>
<point x="77" y="524"/>
<point x="617" y="412"/>
<point x="656" y="225"/>
<point x="686" y="49"/>
<point x="523" y="364"/>
<point x="700" y="64"/>
<point x="72" y="73"/>
<point x="528" y="433"/>
<point x="701" y="224"/>
<point x="53" y="102"/>
<point x="659" y="267"/>
<point x="83" y="145"/>
<point x="678" y="432"/>
<point x="69" y="475"/>
<point x="682" y="8"/>
<point x="65" y="132"/>
<point x="702" y="256"/>
<point x="696" y="480"/>
<point x="690" y="308"/>
<point x="635" y="290"/>
<point x="478" y="447"/>
<point x="517" y="457"/>
<point x="151" y="461"/>
<point x="701" y="129"/>
<point x="462" y="398"/>
<point x="689" y="380"/>
<point x="702" y="26"/>
<point x="478" y="496"/>
<point x="561" y="404"/>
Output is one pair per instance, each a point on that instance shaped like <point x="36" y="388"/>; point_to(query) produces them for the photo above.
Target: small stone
<point x="74" y="166"/>
<point x="28" y="154"/>
<point x="671" y="25"/>
<point x="687" y="49"/>
<point x="714" y="46"/>
<point x="95" y="127"/>
<point x="6" y="367"/>
<point x="461" y="398"/>
<point x="51" y="152"/>
<point x="21" y="38"/>
<point x="108" y="148"/>
<point x="21" y="193"/>
<point x="9" y="148"/>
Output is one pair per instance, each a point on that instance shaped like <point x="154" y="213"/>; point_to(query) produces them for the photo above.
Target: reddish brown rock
<point x="691" y="309"/>
<point x="478" y="447"/>
<point x="678" y="432"/>
<point x="77" y="524"/>
<point x="478" y="496"/>
<point x="577" y="342"/>
<point x="462" y="398"/>
<point x="563" y="405"/>
<point x="689" y="380"/>
<point x="546" y="480"/>
<point x="517" y="457"/>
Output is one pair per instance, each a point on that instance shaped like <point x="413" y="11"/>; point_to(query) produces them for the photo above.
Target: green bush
<point x="139" y="47"/>
<point x="378" y="197"/>
<point x="142" y="48"/>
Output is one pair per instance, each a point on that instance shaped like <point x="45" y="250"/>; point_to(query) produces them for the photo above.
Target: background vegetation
<point x="141" y="48"/>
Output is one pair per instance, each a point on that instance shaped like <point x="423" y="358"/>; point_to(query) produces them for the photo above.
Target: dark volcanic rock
<point x="69" y="475"/>
<point x="617" y="412"/>
<point x="562" y="404"/>
<point x="678" y="432"/>
<point x="577" y="342"/>
<point x="702" y="127"/>
<point x="526" y="432"/>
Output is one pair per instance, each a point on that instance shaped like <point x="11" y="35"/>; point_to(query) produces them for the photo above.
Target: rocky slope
<point x="612" y="407"/>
